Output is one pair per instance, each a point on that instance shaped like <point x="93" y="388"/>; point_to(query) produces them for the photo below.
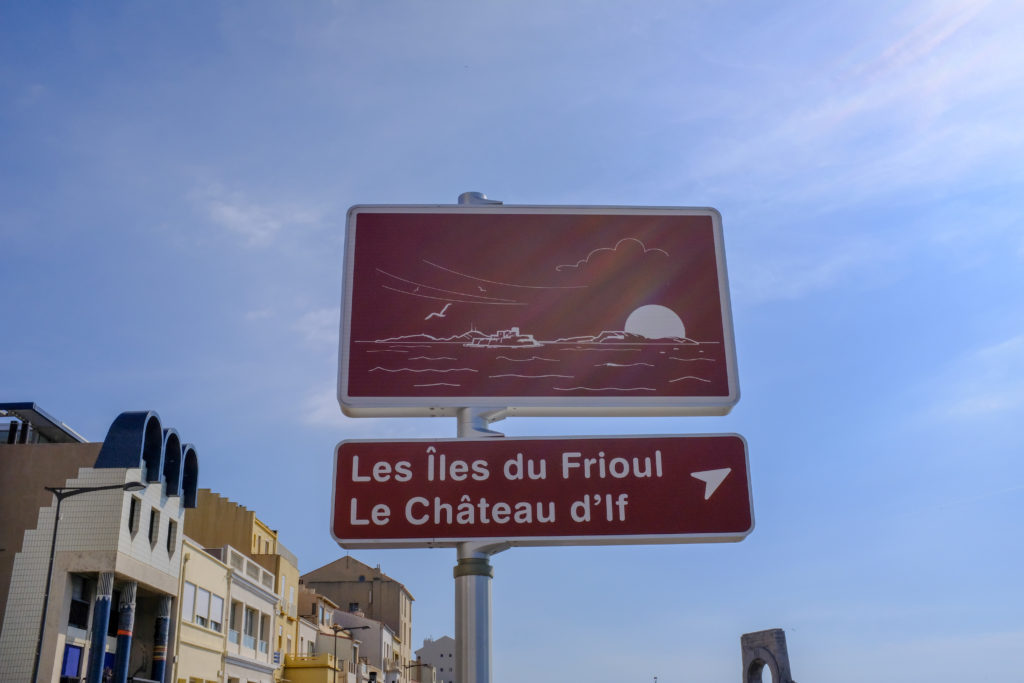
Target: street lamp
<point x="336" y="628"/>
<point x="60" y="493"/>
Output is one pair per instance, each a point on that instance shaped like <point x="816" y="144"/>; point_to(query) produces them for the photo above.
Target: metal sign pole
<point x="473" y="576"/>
<point x="474" y="572"/>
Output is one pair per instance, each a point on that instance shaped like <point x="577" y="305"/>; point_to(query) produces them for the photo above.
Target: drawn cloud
<point x="626" y="250"/>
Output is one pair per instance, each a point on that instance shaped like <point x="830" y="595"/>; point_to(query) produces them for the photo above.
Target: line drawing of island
<point x="555" y="312"/>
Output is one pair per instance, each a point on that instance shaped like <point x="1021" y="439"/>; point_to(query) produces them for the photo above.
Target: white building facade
<point x="439" y="654"/>
<point x="252" y="604"/>
<point x="115" y="557"/>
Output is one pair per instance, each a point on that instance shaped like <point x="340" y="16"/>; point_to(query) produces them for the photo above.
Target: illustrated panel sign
<point x="562" y="491"/>
<point x="546" y="310"/>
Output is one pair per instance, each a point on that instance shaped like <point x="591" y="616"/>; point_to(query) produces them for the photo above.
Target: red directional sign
<point x="561" y="491"/>
<point x="542" y="310"/>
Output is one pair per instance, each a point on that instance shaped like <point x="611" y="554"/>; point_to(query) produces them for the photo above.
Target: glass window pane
<point x="202" y="603"/>
<point x="188" y="600"/>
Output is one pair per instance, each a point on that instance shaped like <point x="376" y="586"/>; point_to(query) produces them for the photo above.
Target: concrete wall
<point x="24" y="471"/>
<point x="217" y="521"/>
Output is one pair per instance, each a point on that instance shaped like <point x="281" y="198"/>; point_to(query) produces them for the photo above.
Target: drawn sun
<point x="655" y="322"/>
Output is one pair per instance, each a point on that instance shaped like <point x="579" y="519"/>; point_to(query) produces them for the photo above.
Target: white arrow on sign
<point x="712" y="478"/>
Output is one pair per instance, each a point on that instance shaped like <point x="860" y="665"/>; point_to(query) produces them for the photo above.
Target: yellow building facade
<point x="218" y="521"/>
<point x="202" y="627"/>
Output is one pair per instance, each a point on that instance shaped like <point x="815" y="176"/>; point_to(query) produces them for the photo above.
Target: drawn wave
<point x="433" y="358"/>
<point x="623" y="365"/>
<point x="380" y="369"/>
<point x="387" y="351"/>
<point x="602" y="389"/>
<point x="699" y="379"/>
<point x="438" y="384"/>
<point x="527" y="360"/>
<point x="709" y="360"/>
<point x="529" y="376"/>
<point x="598" y="349"/>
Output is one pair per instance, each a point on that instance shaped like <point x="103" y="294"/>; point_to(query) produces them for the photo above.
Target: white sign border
<point x="536" y="406"/>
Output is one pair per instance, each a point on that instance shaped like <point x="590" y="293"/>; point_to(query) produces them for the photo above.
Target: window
<point x="70" y="669"/>
<point x="264" y="633"/>
<point x="154" y="526"/>
<point x="202" y="607"/>
<point x="216" y="613"/>
<point x="251" y="626"/>
<point x="188" y="601"/>
<point x="172" y="535"/>
<point x="353" y="607"/>
<point x="134" y="512"/>
<point x="79" y="614"/>
<point x="115" y="600"/>
<point x="234" y="615"/>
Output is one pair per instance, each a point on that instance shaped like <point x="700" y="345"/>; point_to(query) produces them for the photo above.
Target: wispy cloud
<point x="793" y="273"/>
<point x="320" y="410"/>
<point x="986" y="383"/>
<point x="257" y="223"/>
<point x="897" y="112"/>
<point x="319" y="328"/>
<point x="259" y="314"/>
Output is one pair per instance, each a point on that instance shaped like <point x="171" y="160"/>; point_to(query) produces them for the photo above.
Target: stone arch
<point x="765" y="649"/>
<point x="762" y="659"/>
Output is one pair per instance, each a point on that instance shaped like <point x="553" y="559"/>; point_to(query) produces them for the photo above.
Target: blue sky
<point x="174" y="179"/>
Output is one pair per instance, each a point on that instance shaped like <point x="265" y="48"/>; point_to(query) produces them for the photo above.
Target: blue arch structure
<point x="190" y="475"/>
<point x="172" y="463"/>
<point x="137" y="439"/>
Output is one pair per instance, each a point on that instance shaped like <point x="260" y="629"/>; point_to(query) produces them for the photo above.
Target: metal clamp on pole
<point x="473" y="422"/>
<point x="473" y="566"/>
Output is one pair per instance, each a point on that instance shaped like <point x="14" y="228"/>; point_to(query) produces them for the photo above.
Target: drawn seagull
<point x="439" y="314"/>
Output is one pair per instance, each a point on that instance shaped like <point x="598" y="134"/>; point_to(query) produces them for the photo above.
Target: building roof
<point x="348" y="568"/>
<point x="52" y="429"/>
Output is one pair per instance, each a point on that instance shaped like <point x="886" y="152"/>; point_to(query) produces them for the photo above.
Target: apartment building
<point x="252" y="606"/>
<point x="379" y="647"/>
<point x="92" y="552"/>
<point x="440" y="655"/>
<point x="357" y="587"/>
<point x="218" y="522"/>
<point x="202" y="631"/>
<point x="148" y="583"/>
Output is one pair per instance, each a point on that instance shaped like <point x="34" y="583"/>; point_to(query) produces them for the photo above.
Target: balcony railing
<point x="233" y="636"/>
<point x="323" y="661"/>
<point x="249" y="642"/>
<point x="264" y="647"/>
